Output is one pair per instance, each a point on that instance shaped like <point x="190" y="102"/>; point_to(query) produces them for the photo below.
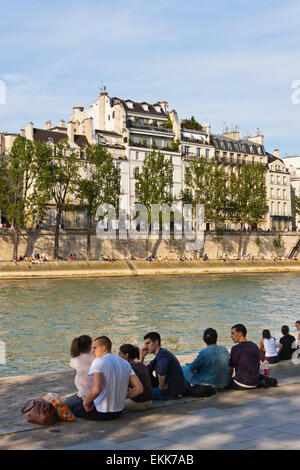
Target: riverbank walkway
<point x="233" y="420"/>
<point x="119" y="268"/>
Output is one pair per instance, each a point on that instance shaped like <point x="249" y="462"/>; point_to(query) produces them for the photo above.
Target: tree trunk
<point x="88" y="238"/>
<point x="56" y="238"/>
<point x="16" y="243"/>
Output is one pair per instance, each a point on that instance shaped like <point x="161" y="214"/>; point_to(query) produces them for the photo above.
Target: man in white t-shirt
<point x="111" y="379"/>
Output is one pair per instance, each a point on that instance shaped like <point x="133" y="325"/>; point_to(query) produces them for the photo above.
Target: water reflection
<point x="39" y="318"/>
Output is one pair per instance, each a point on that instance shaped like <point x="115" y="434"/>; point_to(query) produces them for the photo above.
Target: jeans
<point x="72" y="400"/>
<point x="79" y="411"/>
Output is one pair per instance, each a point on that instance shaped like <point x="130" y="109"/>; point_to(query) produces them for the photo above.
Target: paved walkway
<point x="256" y="419"/>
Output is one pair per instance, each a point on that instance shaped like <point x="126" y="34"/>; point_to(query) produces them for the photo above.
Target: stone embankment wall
<point x="259" y="244"/>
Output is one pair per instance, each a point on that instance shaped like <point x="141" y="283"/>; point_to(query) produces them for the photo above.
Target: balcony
<point x="133" y="125"/>
<point x="193" y="141"/>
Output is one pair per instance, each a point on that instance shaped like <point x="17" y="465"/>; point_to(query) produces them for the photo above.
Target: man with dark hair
<point x="211" y="365"/>
<point x="169" y="380"/>
<point x="244" y="360"/>
<point x="112" y="376"/>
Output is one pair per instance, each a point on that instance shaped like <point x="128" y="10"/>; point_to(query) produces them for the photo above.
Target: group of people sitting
<point x="107" y="384"/>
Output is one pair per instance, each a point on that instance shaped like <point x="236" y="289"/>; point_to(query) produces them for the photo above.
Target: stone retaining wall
<point x="260" y="244"/>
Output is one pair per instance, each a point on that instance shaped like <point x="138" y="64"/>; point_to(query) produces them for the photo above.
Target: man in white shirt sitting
<point x="112" y="377"/>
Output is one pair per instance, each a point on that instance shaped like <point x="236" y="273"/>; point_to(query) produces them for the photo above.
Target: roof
<point x="138" y="108"/>
<point x="44" y="135"/>
<point x="99" y="131"/>
<point x="272" y="158"/>
<point x="244" y="146"/>
<point x="55" y="137"/>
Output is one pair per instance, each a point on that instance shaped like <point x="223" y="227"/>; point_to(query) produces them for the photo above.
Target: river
<point x="39" y="318"/>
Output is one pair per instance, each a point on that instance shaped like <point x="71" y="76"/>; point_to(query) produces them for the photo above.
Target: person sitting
<point x="297" y="324"/>
<point x="81" y="360"/>
<point x="286" y="344"/>
<point x="267" y="346"/>
<point x="144" y="400"/>
<point x="169" y="380"/>
<point x="244" y="360"/>
<point x="211" y="365"/>
<point x="112" y="376"/>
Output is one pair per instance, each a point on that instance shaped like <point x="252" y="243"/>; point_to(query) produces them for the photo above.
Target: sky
<point x="228" y="62"/>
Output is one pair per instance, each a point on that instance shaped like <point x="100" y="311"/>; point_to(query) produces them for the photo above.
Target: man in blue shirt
<point x="211" y="365"/>
<point x="169" y="380"/>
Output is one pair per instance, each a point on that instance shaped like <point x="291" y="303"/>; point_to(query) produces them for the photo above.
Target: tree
<point x="205" y="184"/>
<point x="295" y="204"/>
<point x="101" y="184"/>
<point x="248" y="197"/>
<point x="154" y="181"/>
<point x="16" y="186"/>
<point x="191" y="124"/>
<point x="57" y="179"/>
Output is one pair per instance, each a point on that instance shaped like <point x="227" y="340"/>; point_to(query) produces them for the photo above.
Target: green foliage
<point x="191" y="124"/>
<point x="168" y="124"/>
<point x="248" y="199"/>
<point x="154" y="181"/>
<point x="101" y="183"/>
<point x="205" y="184"/>
<point x="295" y="204"/>
<point x="175" y="145"/>
<point x="258" y="241"/>
<point x="277" y="242"/>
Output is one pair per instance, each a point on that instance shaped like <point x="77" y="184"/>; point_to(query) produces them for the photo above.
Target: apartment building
<point x="293" y="165"/>
<point x="141" y="127"/>
<point x="279" y="194"/>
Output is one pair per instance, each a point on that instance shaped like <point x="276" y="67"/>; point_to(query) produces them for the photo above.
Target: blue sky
<point x="229" y="62"/>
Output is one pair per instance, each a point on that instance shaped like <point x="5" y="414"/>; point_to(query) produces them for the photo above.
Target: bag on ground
<point x="40" y="412"/>
<point x="62" y="410"/>
<point x="199" y="391"/>
<point x="266" y="381"/>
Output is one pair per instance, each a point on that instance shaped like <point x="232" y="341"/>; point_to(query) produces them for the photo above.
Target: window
<point x="198" y="151"/>
<point x="278" y="208"/>
<point x="271" y="192"/>
<point x="238" y="158"/>
<point x="271" y="179"/>
<point x="231" y="158"/>
<point x="278" y="193"/>
<point x="113" y="115"/>
<point x="278" y="179"/>
<point x="284" y="180"/>
<point x="207" y="153"/>
<point x="284" y="194"/>
<point x="186" y="150"/>
<point x="108" y="117"/>
<point x="136" y="155"/>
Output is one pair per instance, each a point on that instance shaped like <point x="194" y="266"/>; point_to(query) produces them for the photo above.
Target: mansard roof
<point x="138" y="107"/>
<point x="243" y="146"/>
<point x="54" y="137"/>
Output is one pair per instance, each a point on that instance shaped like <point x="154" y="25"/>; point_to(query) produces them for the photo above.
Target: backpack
<point x="199" y="391"/>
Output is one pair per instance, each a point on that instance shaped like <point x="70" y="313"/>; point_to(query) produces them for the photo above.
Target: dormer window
<point x="129" y="104"/>
<point x="145" y="106"/>
<point x="157" y="109"/>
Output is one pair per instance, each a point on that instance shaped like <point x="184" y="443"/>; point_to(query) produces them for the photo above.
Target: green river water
<point x="39" y="318"/>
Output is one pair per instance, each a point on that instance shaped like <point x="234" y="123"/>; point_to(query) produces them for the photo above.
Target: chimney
<point x="77" y="109"/>
<point x="48" y="125"/>
<point x="164" y="105"/>
<point x="206" y="128"/>
<point x="29" y="131"/>
<point x="276" y="153"/>
<point x="235" y="135"/>
<point x="22" y="132"/>
<point x="70" y="131"/>
<point x="62" y="123"/>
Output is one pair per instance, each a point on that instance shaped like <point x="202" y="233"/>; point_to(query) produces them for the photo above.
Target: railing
<point x="133" y="125"/>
